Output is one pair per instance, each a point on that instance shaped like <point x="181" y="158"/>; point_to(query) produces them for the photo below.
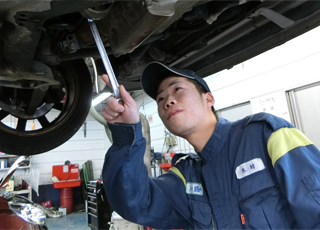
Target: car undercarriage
<point x="44" y="77"/>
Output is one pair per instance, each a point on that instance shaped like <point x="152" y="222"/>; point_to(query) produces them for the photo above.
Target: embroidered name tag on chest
<point x="249" y="167"/>
<point x="194" y="188"/>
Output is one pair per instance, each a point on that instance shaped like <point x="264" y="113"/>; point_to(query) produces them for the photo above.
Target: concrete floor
<point x="72" y="221"/>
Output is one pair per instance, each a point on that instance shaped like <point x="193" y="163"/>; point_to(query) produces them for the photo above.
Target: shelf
<point x="23" y="191"/>
<point x="22" y="167"/>
<point x="8" y="156"/>
<point x="10" y="160"/>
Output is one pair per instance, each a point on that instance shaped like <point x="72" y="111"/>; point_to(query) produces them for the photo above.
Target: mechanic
<point x="256" y="173"/>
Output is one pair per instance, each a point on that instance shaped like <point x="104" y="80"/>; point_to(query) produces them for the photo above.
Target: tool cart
<point x="98" y="208"/>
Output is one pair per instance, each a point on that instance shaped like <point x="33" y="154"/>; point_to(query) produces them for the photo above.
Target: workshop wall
<point x="89" y="143"/>
<point x="291" y="65"/>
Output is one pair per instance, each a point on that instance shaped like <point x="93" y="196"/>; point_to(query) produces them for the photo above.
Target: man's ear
<point x="209" y="99"/>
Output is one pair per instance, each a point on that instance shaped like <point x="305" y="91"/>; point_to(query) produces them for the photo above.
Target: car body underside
<point x="44" y="43"/>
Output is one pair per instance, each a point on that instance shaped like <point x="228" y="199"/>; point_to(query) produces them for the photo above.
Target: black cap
<point x="156" y="72"/>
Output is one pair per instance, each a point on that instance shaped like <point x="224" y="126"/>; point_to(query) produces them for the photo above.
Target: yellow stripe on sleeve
<point x="177" y="171"/>
<point x="284" y="140"/>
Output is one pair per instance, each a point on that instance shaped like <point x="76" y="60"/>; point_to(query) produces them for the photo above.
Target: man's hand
<point x="118" y="113"/>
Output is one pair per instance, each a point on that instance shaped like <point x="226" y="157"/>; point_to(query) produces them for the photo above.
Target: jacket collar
<point x="216" y="142"/>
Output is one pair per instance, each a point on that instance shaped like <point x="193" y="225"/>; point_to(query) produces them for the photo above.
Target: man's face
<point x="181" y="107"/>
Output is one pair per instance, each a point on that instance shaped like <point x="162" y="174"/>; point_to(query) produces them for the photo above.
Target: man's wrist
<point x="125" y="133"/>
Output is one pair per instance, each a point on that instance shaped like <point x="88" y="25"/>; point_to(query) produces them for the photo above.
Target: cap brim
<point x="154" y="74"/>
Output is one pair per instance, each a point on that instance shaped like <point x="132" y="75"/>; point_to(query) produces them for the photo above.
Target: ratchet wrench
<point x="105" y="60"/>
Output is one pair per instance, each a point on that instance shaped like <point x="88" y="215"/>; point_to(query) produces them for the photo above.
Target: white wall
<point x="78" y="149"/>
<point x="285" y="67"/>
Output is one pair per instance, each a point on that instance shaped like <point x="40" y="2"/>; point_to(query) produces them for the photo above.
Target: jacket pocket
<point x="253" y="211"/>
<point x="267" y="209"/>
<point x="312" y="183"/>
<point x="201" y="213"/>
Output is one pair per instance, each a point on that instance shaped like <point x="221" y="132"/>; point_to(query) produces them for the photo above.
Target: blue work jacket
<point x="256" y="173"/>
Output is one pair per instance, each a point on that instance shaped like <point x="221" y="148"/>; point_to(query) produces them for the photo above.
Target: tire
<point x="69" y="114"/>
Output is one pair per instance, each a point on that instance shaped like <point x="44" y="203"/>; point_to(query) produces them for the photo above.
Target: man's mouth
<point x="173" y="113"/>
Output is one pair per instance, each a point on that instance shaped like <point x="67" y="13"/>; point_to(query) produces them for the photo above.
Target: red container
<point x="68" y="176"/>
<point x="66" y="199"/>
<point x="66" y="172"/>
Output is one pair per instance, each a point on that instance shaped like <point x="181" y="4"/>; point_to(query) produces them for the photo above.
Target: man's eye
<point x="159" y="99"/>
<point x="178" y="88"/>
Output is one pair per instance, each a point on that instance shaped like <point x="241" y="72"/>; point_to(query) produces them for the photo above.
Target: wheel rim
<point x="46" y="117"/>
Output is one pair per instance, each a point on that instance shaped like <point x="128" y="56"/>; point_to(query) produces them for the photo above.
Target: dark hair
<point x="202" y="90"/>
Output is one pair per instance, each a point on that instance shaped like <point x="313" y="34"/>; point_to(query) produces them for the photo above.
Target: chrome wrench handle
<point x="105" y="60"/>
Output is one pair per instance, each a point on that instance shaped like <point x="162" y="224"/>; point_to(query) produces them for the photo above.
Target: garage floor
<point x="72" y="221"/>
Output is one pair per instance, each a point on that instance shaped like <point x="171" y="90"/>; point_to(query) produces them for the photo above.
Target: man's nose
<point x="170" y="101"/>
